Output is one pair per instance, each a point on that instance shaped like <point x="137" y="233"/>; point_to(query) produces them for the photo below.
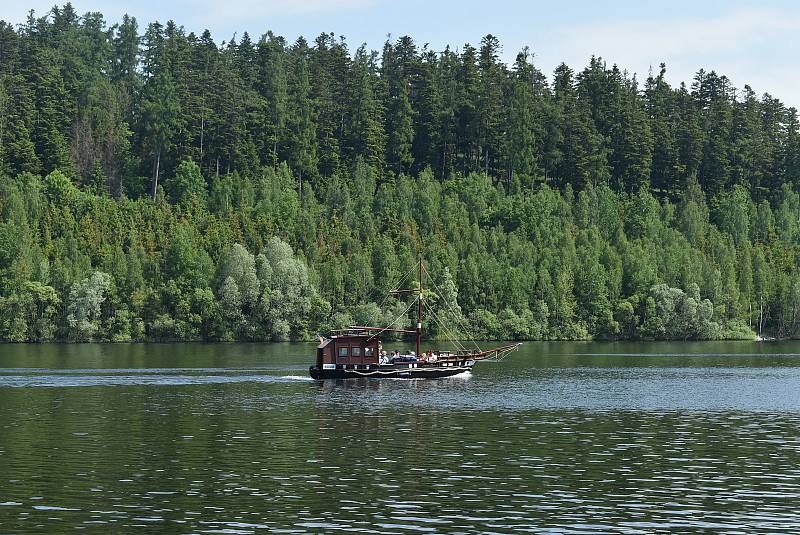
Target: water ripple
<point x="514" y="448"/>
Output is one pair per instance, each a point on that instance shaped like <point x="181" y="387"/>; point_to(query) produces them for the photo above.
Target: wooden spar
<point x="497" y="350"/>
<point x="380" y="329"/>
<point x="477" y="355"/>
<point x="419" y="309"/>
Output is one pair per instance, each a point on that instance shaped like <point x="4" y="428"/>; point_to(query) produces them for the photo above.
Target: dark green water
<point x="581" y="438"/>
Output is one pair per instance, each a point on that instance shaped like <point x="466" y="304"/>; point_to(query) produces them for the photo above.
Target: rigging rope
<point x="460" y="320"/>
<point x="448" y="332"/>
<point x="397" y="286"/>
<point x="452" y="311"/>
<point x="411" y="304"/>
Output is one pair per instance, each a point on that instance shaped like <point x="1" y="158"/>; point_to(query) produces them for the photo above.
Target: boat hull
<point x="399" y="371"/>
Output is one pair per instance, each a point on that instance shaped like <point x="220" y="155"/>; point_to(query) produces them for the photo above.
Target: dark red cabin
<point x="348" y="349"/>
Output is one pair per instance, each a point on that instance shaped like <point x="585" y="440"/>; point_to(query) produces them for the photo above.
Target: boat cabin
<point x="348" y="348"/>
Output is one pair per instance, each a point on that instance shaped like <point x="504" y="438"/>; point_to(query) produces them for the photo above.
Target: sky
<point x="752" y="42"/>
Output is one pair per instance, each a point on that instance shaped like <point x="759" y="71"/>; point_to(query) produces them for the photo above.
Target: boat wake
<point x="301" y="378"/>
<point x="142" y="377"/>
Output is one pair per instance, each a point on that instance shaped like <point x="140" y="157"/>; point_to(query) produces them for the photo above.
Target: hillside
<point x="158" y="185"/>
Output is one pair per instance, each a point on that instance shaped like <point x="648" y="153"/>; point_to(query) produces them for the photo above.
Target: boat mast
<point x="419" y="309"/>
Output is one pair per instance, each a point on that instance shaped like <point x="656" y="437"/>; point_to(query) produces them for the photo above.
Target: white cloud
<point x="207" y="12"/>
<point x="750" y="46"/>
<point x="244" y="10"/>
<point x="640" y="40"/>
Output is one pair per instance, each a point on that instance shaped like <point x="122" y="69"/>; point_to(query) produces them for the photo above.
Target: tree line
<point x="157" y="185"/>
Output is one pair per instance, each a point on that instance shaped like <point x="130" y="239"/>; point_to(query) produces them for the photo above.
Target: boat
<point x="357" y="351"/>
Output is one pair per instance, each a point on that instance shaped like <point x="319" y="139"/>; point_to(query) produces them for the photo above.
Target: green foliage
<point x="187" y="184"/>
<point x="59" y="189"/>
<point x="83" y="308"/>
<point x="301" y="181"/>
<point x="675" y="314"/>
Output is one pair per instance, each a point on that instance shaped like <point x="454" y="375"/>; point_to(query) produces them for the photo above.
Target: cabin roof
<point x="352" y="337"/>
<point x="347" y="337"/>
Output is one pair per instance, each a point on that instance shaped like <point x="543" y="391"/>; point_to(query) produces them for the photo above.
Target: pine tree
<point x="48" y="132"/>
<point x="425" y="150"/>
<point x="790" y="150"/>
<point x="272" y="86"/>
<point x="689" y="139"/>
<point x="126" y="58"/>
<point x="329" y="76"/>
<point x="520" y="142"/>
<point x="747" y="144"/>
<point x="19" y="150"/>
<point x="447" y="153"/>
<point x="583" y="155"/>
<point x="659" y="103"/>
<point x="467" y="120"/>
<point x="301" y="125"/>
<point x="490" y="104"/>
<point x="399" y="126"/>
<point x="366" y="133"/>
<point x="4" y="113"/>
<point x="633" y="142"/>
<point x="160" y="109"/>
<point x="712" y="93"/>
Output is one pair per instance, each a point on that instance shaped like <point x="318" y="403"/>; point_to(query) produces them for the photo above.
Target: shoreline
<point x="759" y="339"/>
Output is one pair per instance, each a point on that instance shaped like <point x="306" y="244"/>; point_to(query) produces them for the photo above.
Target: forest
<point x="158" y="185"/>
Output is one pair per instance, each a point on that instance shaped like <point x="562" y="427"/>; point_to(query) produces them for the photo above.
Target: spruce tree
<point x="520" y="142"/>
<point x="366" y="132"/>
<point x="301" y="123"/>
<point x="160" y="109"/>
<point x="273" y="88"/>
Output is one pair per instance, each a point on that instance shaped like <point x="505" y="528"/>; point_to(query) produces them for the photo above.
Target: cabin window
<point x="355" y="351"/>
<point x="343" y="351"/>
<point x="368" y="351"/>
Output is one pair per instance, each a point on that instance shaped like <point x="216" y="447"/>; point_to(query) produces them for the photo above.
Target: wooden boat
<point x="358" y="352"/>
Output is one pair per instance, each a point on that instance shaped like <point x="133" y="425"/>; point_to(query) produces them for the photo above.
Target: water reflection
<point x="544" y="442"/>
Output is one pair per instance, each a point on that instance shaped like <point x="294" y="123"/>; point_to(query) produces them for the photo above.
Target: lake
<point x="558" y="437"/>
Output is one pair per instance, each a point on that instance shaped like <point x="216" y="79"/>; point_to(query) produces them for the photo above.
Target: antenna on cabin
<point x="419" y="309"/>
